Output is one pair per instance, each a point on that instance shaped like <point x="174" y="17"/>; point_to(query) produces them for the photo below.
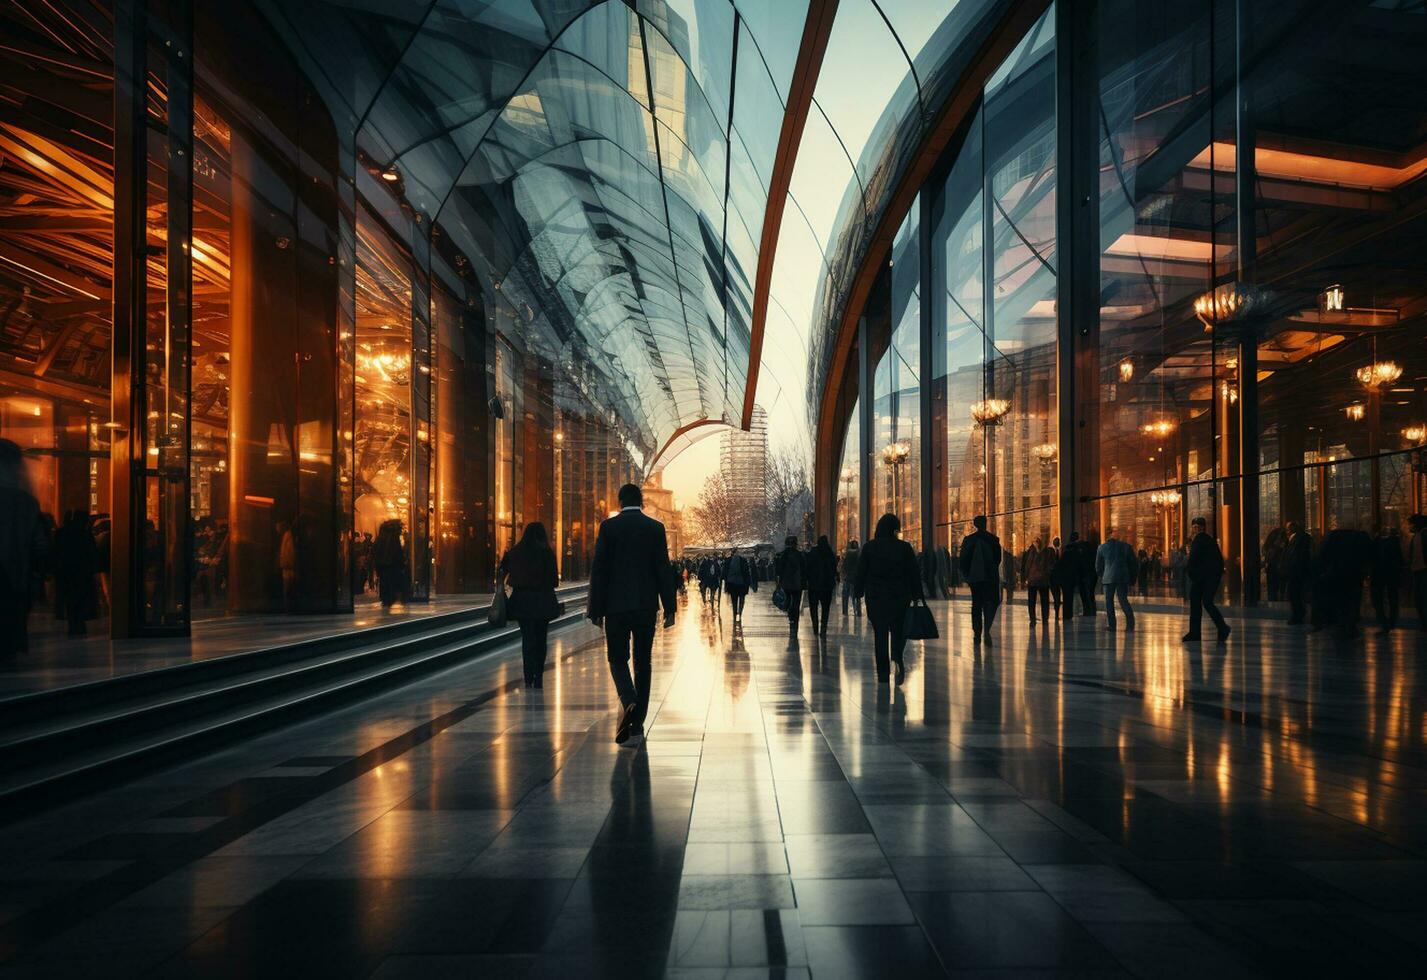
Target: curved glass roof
<point x="604" y="166"/>
<point x="889" y="66"/>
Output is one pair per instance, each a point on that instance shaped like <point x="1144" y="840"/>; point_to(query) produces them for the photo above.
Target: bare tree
<point x="789" y="499"/>
<point x="717" y="515"/>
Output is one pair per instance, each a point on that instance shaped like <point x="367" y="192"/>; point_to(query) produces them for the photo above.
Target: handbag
<point x="496" y="615"/>
<point x="919" y="623"/>
<point x="780" y="598"/>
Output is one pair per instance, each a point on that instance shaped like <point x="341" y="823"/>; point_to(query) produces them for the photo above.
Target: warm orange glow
<point x="1316" y="168"/>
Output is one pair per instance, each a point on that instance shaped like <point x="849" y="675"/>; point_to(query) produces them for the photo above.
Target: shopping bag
<point x="496" y="616"/>
<point x="919" y="623"/>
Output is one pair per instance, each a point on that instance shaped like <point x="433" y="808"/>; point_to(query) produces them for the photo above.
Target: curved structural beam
<point x="959" y="105"/>
<point x="659" y="456"/>
<point x="816" y="30"/>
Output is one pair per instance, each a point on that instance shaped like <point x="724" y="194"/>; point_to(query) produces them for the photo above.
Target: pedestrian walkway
<point x="1069" y="800"/>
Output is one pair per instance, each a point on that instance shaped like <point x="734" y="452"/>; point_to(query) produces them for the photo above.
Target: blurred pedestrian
<point x="1205" y="568"/>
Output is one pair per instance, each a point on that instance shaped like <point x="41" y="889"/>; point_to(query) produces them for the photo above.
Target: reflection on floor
<point x="1068" y="800"/>
<point x="56" y="659"/>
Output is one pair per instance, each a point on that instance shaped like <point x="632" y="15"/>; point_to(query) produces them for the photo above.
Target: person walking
<point x="629" y="581"/>
<point x="1037" y="568"/>
<point x="790" y="572"/>
<point x="1297" y="563"/>
<point x="738" y="578"/>
<point x="822" y="579"/>
<point x="980" y="562"/>
<point x="530" y="569"/>
<point x="1417" y="566"/>
<point x="389" y="560"/>
<point x="888" y="578"/>
<point x="1344" y="560"/>
<point x="1386" y="577"/>
<point x="1204" y="568"/>
<point x="1115" y="565"/>
<point x="22" y="551"/>
<point x="848" y="573"/>
<point x="76" y="567"/>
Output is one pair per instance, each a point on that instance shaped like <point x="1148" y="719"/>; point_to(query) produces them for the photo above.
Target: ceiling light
<point x="1378" y="374"/>
<point x="1355" y="412"/>
<point x="990" y="411"/>
<point x="391" y="174"/>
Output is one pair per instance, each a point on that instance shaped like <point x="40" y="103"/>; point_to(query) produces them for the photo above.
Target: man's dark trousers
<point x="1201" y="599"/>
<point x="985" y="597"/>
<point x="619" y="629"/>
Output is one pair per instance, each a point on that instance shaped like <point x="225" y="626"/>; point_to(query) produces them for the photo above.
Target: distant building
<point x="743" y="461"/>
<point x="659" y="504"/>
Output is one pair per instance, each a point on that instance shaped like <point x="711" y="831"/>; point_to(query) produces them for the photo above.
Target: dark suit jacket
<point x="887" y="572"/>
<point x="992" y="554"/>
<point x="631" y="567"/>
<point x="1298" y="556"/>
<point x="1205" y="560"/>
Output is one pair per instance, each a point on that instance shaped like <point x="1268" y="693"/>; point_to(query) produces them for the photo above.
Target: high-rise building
<point x="743" y="461"/>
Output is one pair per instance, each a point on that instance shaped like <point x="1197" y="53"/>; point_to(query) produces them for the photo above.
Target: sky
<point x="847" y="107"/>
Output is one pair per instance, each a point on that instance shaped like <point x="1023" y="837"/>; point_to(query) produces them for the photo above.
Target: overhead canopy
<point x="603" y="165"/>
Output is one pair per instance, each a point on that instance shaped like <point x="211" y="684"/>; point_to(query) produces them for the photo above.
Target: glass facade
<point x="274" y="278"/>
<point x="1251" y="178"/>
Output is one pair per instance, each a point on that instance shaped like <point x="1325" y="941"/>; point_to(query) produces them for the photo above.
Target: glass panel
<point x="1020" y="182"/>
<point x="57" y="237"/>
<point x="1155" y="365"/>
<point x="268" y="323"/>
<point x="384" y="434"/>
<point x="849" y="482"/>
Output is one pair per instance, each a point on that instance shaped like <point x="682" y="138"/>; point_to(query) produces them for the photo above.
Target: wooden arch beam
<point x="945" y="123"/>
<point x="816" y="30"/>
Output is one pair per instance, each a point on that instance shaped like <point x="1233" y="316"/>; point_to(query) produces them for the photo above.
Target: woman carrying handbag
<point x="530" y="569"/>
<point x="888" y="578"/>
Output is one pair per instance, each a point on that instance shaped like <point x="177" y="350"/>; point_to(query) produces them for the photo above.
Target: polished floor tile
<point x="1072" y="803"/>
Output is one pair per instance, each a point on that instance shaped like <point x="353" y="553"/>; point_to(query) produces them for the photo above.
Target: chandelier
<point x="896" y="453"/>
<point x="1045" y="452"/>
<point x="1229" y="391"/>
<point x="1415" y="433"/>
<point x="1160" y="428"/>
<point x="1127" y="370"/>
<point x="989" y="411"/>
<point x="1378" y="374"/>
<point x="1227" y="303"/>
<point x="1166" y="499"/>
<point x="1355" y="412"/>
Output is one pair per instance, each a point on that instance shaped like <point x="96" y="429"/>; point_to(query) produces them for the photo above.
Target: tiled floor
<point x="1068" y="802"/>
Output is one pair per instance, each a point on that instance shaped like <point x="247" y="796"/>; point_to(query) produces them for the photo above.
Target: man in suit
<point x="1204" y="568"/>
<point x="629" y="579"/>
<point x="981" y="567"/>
<point x="1116" y="565"/>
<point x="1297" y="563"/>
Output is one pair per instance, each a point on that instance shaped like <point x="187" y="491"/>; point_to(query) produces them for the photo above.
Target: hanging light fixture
<point x="1378" y="374"/>
<point x="1228" y="303"/>
<point x="1165" y="499"/>
<point x="989" y="411"/>
<point x="1415" y="433"/>
<point x="896" y="453"/>
<point x="1045" y="452"/>
<point x="1230" y="392"/>
<point x="1160" y="428"/>
<point x="1355" y="412"/>
<point x="1127" y="370"/>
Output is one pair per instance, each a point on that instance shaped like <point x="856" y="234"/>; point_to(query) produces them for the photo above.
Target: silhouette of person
<point x="629" y="580"/>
